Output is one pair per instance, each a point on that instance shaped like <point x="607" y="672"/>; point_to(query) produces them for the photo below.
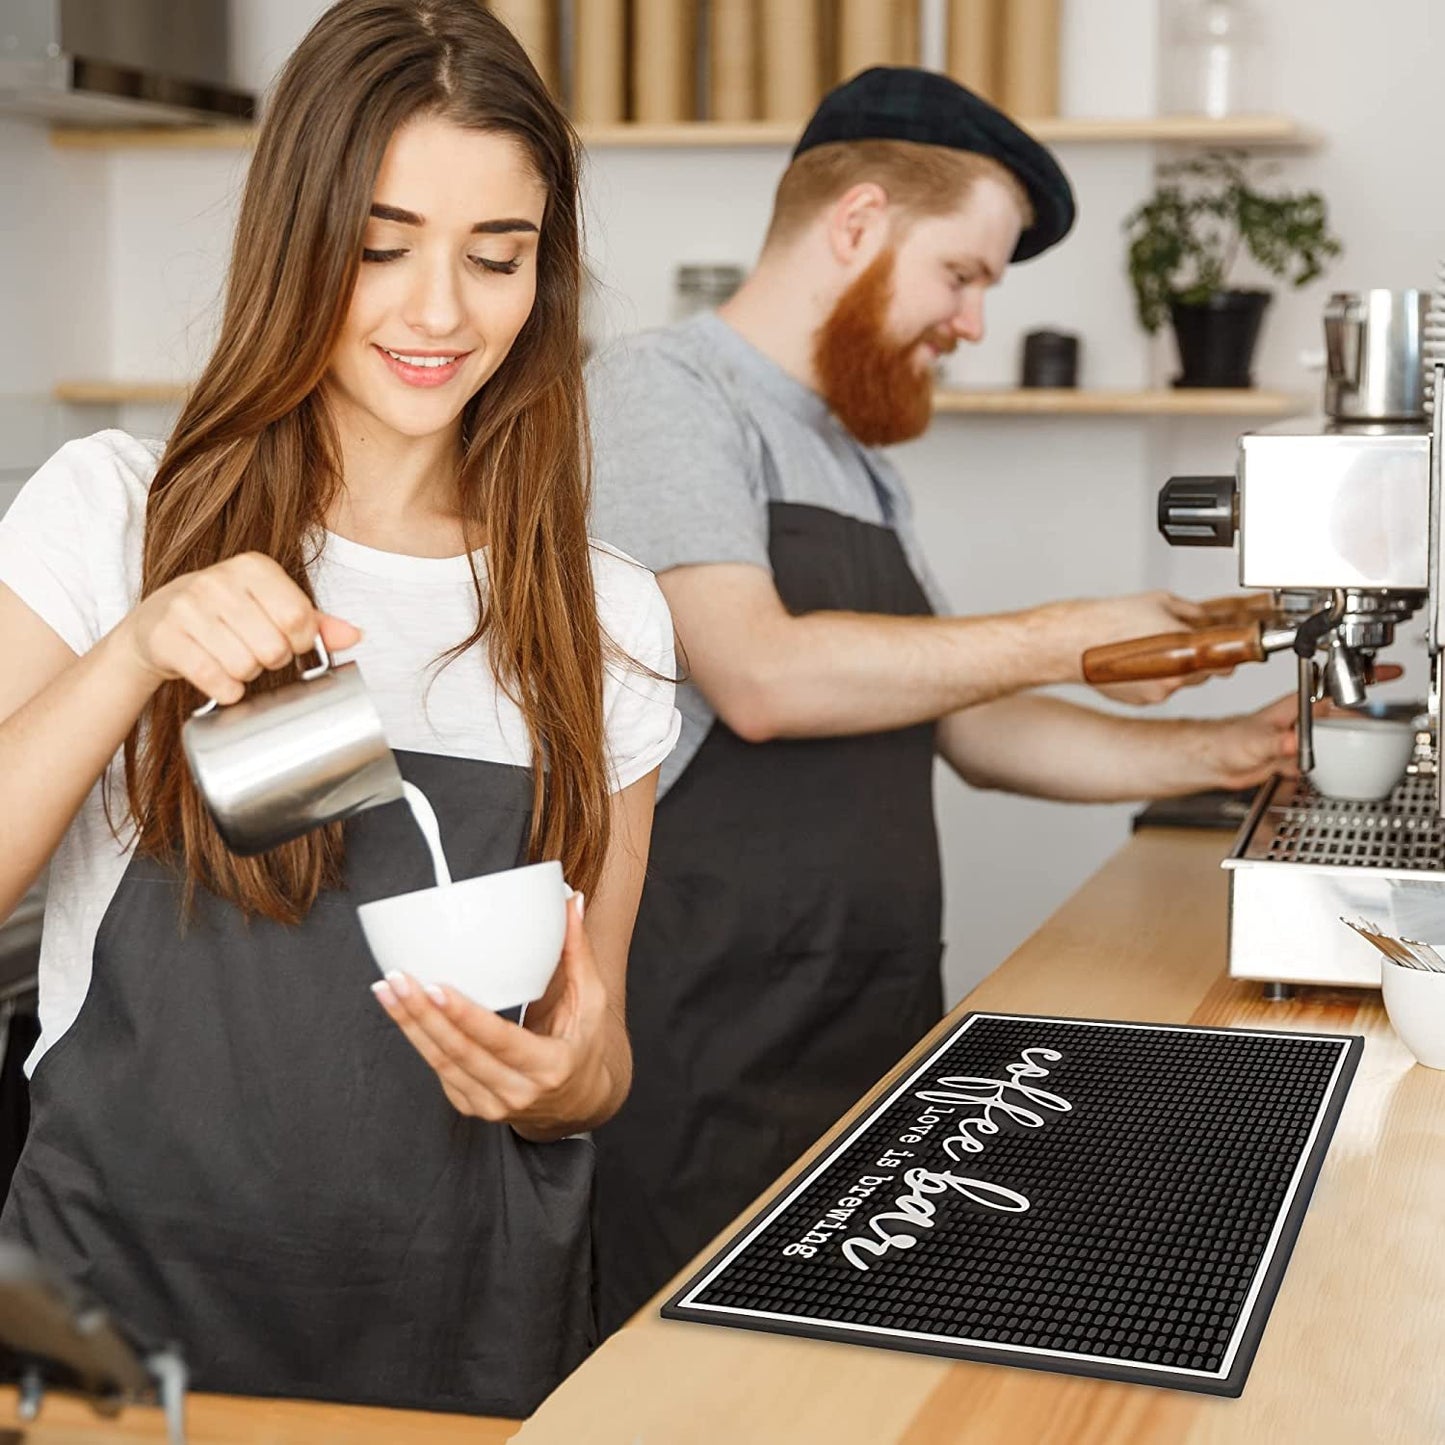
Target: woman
<point x="231" y="1143"/>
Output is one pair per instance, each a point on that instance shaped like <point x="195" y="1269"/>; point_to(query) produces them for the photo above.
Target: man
<point x="787" y="951"/>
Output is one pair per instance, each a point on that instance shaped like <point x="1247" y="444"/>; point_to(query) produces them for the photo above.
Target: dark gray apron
<point x="235" y="1148"/>
<point x="787" y="946"/>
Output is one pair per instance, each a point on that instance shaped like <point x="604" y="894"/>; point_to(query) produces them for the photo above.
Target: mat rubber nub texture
<point x="1105" y="1199"/>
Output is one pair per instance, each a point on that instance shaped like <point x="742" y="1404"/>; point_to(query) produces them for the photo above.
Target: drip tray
<point x="1303" y="861"/>
<point x="1298" y="825"/>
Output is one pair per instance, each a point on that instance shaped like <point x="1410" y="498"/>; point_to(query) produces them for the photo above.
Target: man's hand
<point x="1142" y="614"/>
<point x="1244" y="751"/>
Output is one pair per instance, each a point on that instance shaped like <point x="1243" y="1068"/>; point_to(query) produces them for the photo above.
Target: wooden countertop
<point x="1350" y="1353"/>
<point x="1352" y="1348"/>
<point x="231" y="1420"/>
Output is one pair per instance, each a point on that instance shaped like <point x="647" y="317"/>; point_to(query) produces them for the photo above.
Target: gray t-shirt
<point x="694" y="433"/>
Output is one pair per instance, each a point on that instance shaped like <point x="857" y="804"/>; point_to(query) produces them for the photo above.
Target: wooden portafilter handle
<point x="1174" y="654"/>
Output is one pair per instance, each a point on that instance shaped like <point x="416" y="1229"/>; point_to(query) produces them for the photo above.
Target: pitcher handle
<point x="1342" y="346"/>
<point x="307" y="675"/>
<point x="322" y="667"/>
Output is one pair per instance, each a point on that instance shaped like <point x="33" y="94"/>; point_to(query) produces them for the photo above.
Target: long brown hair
<point x="253" y="462"/>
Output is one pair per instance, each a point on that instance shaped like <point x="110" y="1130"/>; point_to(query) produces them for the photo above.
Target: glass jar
<point x="1212" y="61"/>
<point x="703" y="288"/>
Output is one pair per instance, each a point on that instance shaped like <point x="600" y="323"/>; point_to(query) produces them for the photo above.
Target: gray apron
<point x="236" y="1149"/>
<point x="787" y="945"/>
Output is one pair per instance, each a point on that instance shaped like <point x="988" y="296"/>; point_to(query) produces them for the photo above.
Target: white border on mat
<point x="842" y="1329"/>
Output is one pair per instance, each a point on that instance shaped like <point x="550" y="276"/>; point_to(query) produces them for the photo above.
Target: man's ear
<point x="858" y="224"/>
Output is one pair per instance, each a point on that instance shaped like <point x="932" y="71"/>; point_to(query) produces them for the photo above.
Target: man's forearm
<point x="1047" y="748"/>
<point x="772" y="673"/>
<point x="841" y="673"/>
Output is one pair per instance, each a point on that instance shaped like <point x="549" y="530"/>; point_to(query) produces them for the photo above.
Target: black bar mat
<point x="1215" y="808"/>
<point x="1108" y="1199"/>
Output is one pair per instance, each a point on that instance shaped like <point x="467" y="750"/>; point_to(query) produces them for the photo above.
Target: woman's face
<point x="448" y="277"/>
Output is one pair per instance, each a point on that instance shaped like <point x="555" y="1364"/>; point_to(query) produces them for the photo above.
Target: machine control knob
<point x="1198" y="511"/>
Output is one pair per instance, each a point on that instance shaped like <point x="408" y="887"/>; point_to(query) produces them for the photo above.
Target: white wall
<point x="123" y="277"/>
<point x="264" y="33"/>
<point x="54" y="300"/>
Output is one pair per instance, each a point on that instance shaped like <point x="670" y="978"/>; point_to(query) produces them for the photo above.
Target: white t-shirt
<point x="70" y="548"/>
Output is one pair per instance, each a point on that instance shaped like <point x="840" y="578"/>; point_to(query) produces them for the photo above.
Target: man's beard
<point x="870" y="381"/>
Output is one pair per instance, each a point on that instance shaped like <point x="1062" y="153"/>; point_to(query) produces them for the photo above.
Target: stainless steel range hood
<point x="119" y="62"/>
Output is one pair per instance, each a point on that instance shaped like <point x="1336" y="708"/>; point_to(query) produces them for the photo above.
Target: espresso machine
<point x="1339" y="520"/>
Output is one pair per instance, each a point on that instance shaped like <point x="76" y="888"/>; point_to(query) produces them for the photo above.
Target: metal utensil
<point x="1418" y="956"/>
<point x="272" y="767"/>
<point x="1428" y="958"/>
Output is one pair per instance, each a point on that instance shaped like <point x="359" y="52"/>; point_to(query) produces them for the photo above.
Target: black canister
<point x="1051" y="358"/>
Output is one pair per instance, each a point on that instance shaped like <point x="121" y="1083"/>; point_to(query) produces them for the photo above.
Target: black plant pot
<point x="1217" y="337"/>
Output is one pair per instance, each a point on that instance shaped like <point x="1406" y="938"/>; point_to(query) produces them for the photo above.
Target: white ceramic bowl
<point x="496" y="939"/>
<point x="1360" y="758"/>
<point x="1415" y="1001"/>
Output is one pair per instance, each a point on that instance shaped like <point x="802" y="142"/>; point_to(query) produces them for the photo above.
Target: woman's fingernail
<point x="436" y="994"/>
<point x="384" y="995"/>
<point x="580" y="899"/>
<point x="399" y="984"/>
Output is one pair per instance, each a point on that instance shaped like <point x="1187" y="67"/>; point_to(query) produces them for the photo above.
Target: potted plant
<point x="1184" y="243"/>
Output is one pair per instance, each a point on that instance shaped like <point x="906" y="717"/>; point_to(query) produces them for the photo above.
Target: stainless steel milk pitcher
<point x="1374" y="368"/>
<point x="276" y="765"/>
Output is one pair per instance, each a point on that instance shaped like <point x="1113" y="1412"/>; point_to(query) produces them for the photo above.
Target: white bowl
<point x="496" y="939"/>
<point x="1360" y="758"/>
<point x="1415" y="1001"/>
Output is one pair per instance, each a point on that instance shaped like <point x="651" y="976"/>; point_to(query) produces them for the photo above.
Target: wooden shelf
<point x="1031" y="402"/>
<point x="1274" y="132"/>
<point x="1182" y="401"/>
<point x="120" y="393"/>
<point x="1264" y="131"/>
<point x="152" y="137"/>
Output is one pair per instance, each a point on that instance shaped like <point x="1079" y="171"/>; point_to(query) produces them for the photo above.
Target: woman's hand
<point x="220" y="627"/>
<point x="548" y="1080"/>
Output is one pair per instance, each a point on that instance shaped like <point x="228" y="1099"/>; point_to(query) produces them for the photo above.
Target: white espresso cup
<point x="496" y="939"/>
<point x="1415" y="1002"/>
<point x="1360" y="758"/>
